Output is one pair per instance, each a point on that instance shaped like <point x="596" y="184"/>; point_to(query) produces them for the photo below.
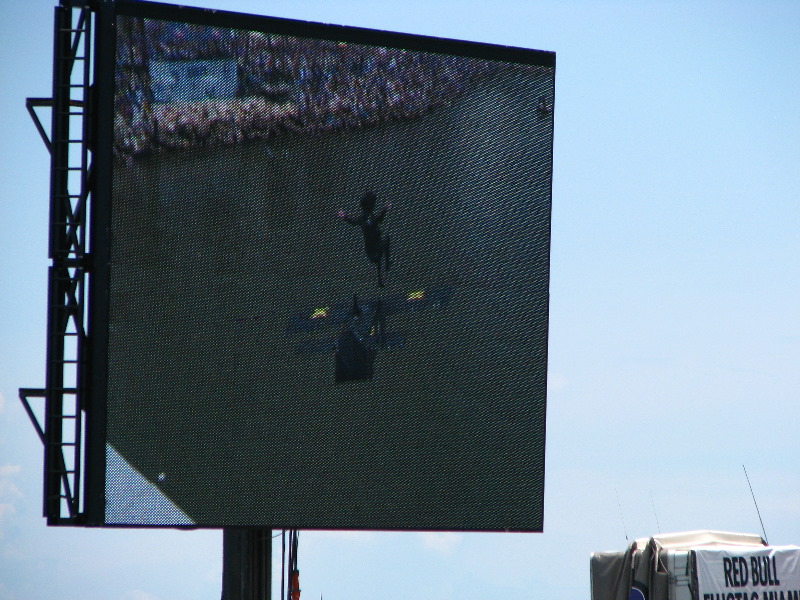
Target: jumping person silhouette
<point x="376" y="245"/>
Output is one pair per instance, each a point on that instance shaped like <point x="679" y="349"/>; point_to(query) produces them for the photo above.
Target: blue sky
<point x="675" y="306"/>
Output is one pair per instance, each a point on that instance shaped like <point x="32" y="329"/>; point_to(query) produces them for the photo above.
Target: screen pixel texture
<point x="278" y="354"/>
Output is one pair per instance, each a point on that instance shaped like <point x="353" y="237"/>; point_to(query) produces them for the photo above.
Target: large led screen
<point x="327" y="267"/>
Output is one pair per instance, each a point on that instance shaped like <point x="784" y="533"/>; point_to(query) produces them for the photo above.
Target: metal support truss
<point x="63" y="430"/>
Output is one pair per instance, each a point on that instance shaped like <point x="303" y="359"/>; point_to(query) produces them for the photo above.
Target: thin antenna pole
<point x="756" y="503"/>
<point x="283" y="564"/>
<point x="658" y="525"/>
<point x="624" y="529"/>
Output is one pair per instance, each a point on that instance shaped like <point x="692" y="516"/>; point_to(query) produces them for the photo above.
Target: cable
<point x="756" y="503"/>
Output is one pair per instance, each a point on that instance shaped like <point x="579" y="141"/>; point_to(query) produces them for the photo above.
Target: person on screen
<point x="543" y="108"/>
<point x="358" y="342"/>
<point x="376" y="245"/>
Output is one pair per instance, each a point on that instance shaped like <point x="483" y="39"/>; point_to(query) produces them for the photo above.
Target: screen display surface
<point x="328" y="280"/>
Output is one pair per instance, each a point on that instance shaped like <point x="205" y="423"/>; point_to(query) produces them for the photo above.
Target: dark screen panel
<point x="328" y="280"/>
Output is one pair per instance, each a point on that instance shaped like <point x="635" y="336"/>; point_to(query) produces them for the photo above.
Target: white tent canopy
<point x="644" y="564"/>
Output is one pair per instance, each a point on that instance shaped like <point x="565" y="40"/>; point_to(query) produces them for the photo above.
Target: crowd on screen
<point x="285" y="84"/>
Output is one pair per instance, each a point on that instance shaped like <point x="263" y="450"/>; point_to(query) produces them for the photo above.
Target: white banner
<point x="769" y="573"/>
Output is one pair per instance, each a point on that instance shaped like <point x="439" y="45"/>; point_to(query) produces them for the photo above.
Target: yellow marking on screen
<point x="416" y="295"/>
<point x="320" y="313"/>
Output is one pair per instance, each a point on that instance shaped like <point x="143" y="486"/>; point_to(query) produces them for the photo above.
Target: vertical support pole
<point x="53" y="459"/>
<point x="246" y="563"/>
<point x="102" y="103"/>
<point x="69" y="188"/>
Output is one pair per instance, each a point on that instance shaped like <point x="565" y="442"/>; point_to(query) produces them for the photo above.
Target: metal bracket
<point x="24" y="394"/>
<point x="31" y="104"/>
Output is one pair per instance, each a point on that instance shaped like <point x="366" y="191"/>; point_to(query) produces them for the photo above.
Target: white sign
<point x="769" y="573"/>
<point x="191" y="80"/>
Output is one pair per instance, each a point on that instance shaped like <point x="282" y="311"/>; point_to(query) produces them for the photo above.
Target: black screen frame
<point x="101" y="143"/>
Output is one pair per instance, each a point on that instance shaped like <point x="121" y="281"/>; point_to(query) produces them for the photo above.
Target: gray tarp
<point x="643" y="564"/>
